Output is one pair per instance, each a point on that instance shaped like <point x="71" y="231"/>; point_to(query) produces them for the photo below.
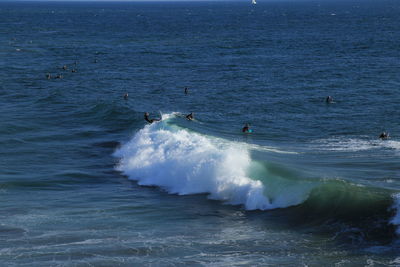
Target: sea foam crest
<point x="184" y="162"/>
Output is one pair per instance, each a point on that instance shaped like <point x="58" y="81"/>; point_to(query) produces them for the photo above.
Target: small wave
<point x="354" y="144"/>
<point x="27" y="185"/>
<point x="391" y="144"/>
<point x="9" y="231"/>
<point x="107" y="144"/>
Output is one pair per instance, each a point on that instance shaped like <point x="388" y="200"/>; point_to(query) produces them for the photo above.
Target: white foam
<point x="346" y="144"/>
<point x="391" y="144"/>
<point x="270" y="149"/>
<point x="184" y="162"/>
<point x="355" y="144"/>
<point x="396" y="206"/>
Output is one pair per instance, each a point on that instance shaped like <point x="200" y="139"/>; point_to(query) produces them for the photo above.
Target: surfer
<point x="146" y="117"/>
<point x="246" y="128"/>
<point x="329" y="99"/>
<point x="126" y="96"/>
<point x="190" y="116"/>
<point x="48" y="76"/>
<point x="186" y="90"/>
<point x="384" y="135"/>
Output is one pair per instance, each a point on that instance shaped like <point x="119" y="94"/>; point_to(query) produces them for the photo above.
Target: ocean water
<point x="85" y="181"/>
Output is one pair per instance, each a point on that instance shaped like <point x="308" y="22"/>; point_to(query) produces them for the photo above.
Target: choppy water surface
<point x="86" y="181"/>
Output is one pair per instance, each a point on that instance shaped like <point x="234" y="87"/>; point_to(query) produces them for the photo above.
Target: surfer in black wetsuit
<point x="246" y="128"/>
<point x="186" y="90"/>
<point x="329" y="99"/>
<point x="126" y="96"/>
<point x="384" y="135"/>
<point x="146" y="117"/>
<point x="190" y="116"/>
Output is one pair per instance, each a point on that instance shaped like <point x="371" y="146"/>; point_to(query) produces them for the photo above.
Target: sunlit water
<point x="86" y="181"/>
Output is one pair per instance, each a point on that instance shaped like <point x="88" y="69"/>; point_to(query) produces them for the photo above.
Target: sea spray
<point x="183" y="163"/>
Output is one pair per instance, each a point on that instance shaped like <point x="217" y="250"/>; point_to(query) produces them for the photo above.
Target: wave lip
<point x="184" y="162"/>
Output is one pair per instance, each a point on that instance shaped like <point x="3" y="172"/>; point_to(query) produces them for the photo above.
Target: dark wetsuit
<point x="384" y="136"/>
<point x="190" y="117"/>
<point x="245" y="129"/>
<point x="146" y="117"/>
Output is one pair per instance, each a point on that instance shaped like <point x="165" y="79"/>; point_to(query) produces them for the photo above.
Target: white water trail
<point x="346" y="144"/>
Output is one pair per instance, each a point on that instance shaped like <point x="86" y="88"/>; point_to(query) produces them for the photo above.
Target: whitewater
<point x="184" y="162"/>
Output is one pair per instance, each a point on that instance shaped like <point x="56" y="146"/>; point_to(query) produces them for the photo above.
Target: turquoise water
<point x="86" y="181"/>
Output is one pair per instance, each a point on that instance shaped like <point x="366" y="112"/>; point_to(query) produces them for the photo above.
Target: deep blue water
<point x="86" y="181"/>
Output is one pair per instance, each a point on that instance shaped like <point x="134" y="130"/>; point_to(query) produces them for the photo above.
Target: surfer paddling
<point x="384" y="135"/>
<point x="146" y="117"/>
<point x="246" y="128"/>
<point x="190" y="116"/>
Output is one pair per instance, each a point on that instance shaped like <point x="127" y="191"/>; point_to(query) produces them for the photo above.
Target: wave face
<point x="184" y="162"/>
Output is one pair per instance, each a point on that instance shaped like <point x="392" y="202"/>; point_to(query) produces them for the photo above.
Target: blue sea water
<point x="86" y="181"/>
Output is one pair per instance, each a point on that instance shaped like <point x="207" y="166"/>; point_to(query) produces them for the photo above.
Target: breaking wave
<point x="184" y="162"/>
